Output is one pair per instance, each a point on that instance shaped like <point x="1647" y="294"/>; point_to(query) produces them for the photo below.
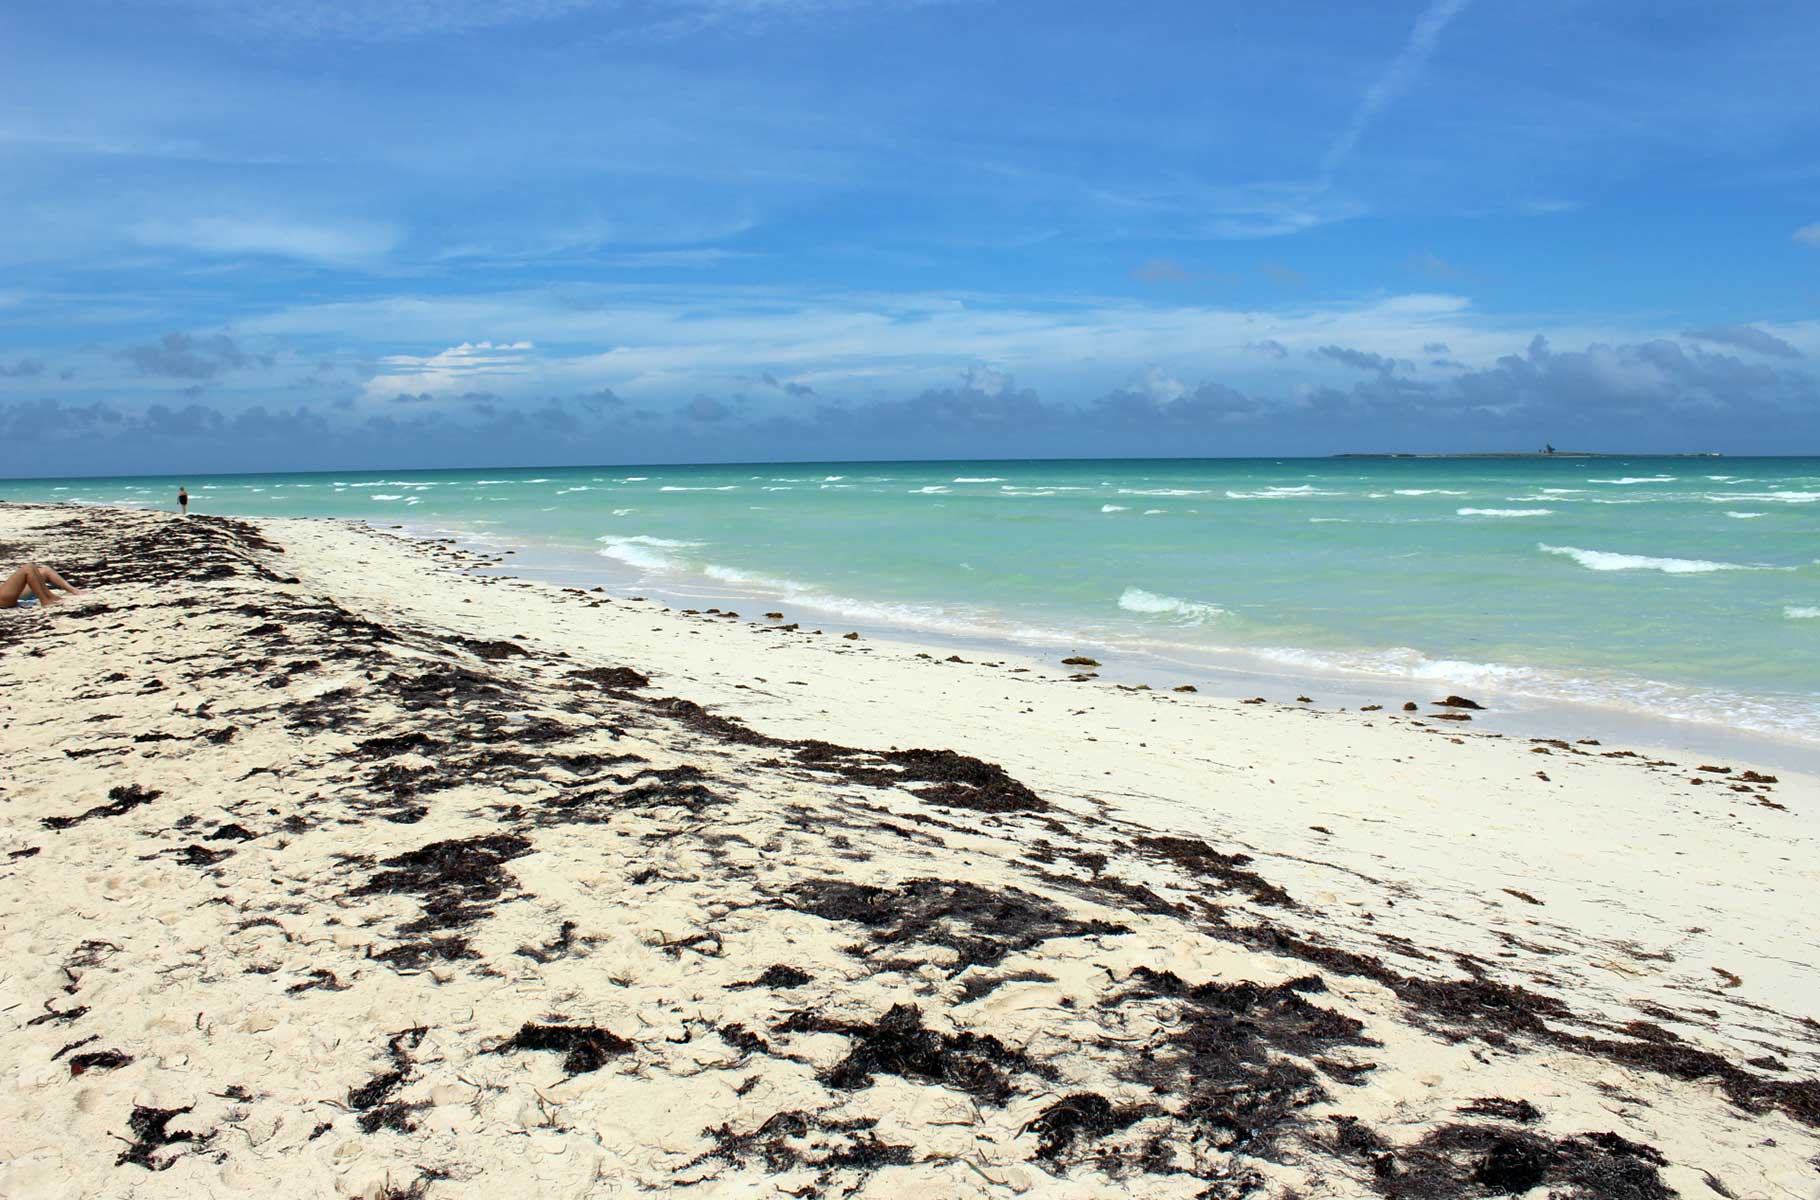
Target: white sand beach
<point x="333" y="866"/>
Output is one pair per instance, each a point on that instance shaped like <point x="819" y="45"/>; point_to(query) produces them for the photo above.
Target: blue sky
<point x="245" y="234"/>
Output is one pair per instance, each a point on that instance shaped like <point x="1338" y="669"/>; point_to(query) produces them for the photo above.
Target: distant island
<point x="1551" y="452"/>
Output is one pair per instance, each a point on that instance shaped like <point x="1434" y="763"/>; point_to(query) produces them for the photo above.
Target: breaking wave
<point x="1138" y="600"/>
<point x="1606" y="560"/>
<point x="1504" y="512"/>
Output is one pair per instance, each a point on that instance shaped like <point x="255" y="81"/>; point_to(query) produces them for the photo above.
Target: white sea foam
<point x="565" y="491"/>
<point x="1801" y="612"/>
<point x="1430" y="492"/>
<point x="1744" y="516"/>
<point x="489" y="482"/>
<point x="1165" y="492"/>
<point x="1504" y="512"/>
<point x="1766" y="497"/>
<point x="725" y="487"/>
<point x="642" y="539"/>
<point x="1269" y="493"/>
<point x="932" y="490"/>
<point x="624" y="512"/>
<point x="980" y="479"/>
<point x="1632" y="479"/>
<point x="385" y="496"/>
<point x="635" y="479"/>
<point x="1151" y="512"/>
<point x="833" y="478"/>
<point x="1330" y="520"/>
<point x="1562" y="491"/>
<point x="1113" y="508"/>
<point x="1138" y="600"/>
<point x="642" y="550"/>
<point x="1605" y="560"/>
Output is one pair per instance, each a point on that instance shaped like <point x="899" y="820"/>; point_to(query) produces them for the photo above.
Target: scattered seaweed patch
<point x="584" y="1048"/>
<point x="151" y="1133"/>
<point x="899" y="1044"/>
<point x="978" y="925"/>
<point x="373" y="1099"/>
<point x="121" y="800"/>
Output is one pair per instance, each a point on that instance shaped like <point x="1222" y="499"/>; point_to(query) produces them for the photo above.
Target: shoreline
<point x="342" y="867"/>
<point x="1242" y="674"/>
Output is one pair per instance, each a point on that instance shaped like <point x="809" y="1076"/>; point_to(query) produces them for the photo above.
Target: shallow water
<point x="1677" y="587"/>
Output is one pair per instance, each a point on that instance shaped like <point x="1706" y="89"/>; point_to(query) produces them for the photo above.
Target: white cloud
<point x="1809" y="235"/>
<point x="465" y="367"/>
<point x="308" y="241"/>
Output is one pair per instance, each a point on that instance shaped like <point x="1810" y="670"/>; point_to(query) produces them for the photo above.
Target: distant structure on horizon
<point x="1547" y="451"/>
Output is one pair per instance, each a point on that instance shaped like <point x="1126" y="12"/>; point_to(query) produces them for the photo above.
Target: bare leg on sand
<point x="39" y="579"/>
<point x="51" y="577"/>
<point x="16" y="584"/>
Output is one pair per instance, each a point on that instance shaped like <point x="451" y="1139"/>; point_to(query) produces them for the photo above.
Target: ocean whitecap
<point x="1504" y="512"/>
<point x="1138" y="600"/>
<point x="1606" y="560"/>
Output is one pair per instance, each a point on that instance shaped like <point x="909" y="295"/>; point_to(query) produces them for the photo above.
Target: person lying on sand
<point x="39" y="579"/>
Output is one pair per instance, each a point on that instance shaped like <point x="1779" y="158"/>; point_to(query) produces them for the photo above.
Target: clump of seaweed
<point x="458" y="879"/>
<point x="122" y="799"/>
<point x="1493" y="1160"/>
<point x="776" y="976"/>
<point x="373" y="1099"/>
<point x="1081" y="1116"/>
<point x="584" y="1047"/>
<point x="1198" y="858"/>
<point x="981" y="926"/>
<point x="795" y="1139"/>
<point x="899" y="1044"/>
<point x="151" y="1133"/>
<point x="1233" y="1055"/>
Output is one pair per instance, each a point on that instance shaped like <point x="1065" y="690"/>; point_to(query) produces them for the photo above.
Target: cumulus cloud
<point x="706" y="408"/>
<point x="1270" y="346"/>
<point x="1632" y="383"/>
<point x="1809" y="235"/>
<point x="184" y="356"/>
<point x="25" y="368"/>
<point x="1363" y="360"/>
<point x="1747" y="337"/>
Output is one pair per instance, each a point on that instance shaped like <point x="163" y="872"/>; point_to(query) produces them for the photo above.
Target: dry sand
<point x="331" y="866"/>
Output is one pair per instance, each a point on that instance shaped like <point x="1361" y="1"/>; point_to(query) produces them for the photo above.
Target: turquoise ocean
<point x="1687" y="589"/>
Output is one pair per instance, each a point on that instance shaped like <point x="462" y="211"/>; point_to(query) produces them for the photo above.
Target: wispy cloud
<point x="1809" y="235"/>
<point x="1395" y="80"/>
<point x="463" y="366"/>
<point x="307" y="241"/>
<point x="397" y="20"/>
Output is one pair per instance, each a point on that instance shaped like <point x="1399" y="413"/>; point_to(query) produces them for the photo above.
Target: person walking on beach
<point x="183" y="500"/>
<point x="39" y="579"/>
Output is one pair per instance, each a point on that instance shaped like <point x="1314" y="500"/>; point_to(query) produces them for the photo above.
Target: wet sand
<point x="332" y="865"/>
